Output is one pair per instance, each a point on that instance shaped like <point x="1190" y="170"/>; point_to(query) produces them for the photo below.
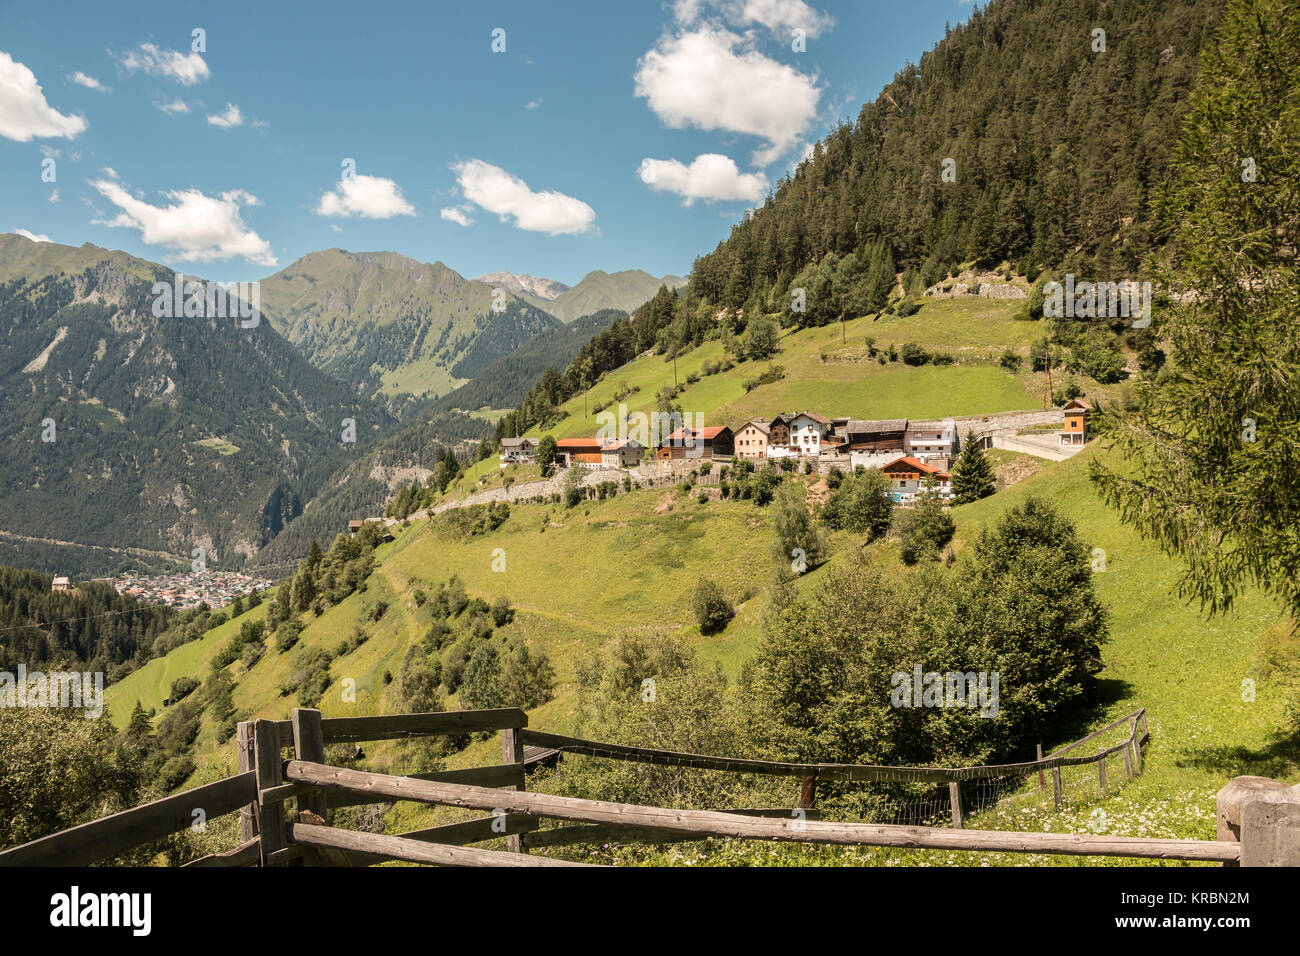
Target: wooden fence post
<point x="1042" y="780"/>
<point x="1101" y="770"/>
<point x="954" y="798"/>
<point x="1056" y="786"/>
<point x="309" y="744"/>
<point x="512" y="751"/>
<point x="270" y="816"/>
<point x="1128" y="762"/>
<point x="808" y="792"/>
<point x="1135" y="741"/>
<point x="1263" y="815"/>
<point x="247" y="761"/>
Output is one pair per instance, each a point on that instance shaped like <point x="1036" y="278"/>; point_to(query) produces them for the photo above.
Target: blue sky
<point x="605" y="135"/>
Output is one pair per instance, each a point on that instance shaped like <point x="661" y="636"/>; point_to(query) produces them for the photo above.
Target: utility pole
<point x="1047" y="367"/>
<point x="843" y="332"/>
<point x="674" y="370"/>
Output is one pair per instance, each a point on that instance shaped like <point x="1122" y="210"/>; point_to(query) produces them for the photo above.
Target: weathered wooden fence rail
<point x="1259" y="819"/>
<point x="1130" y="748"/>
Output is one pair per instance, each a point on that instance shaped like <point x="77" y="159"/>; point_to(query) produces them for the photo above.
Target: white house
<point x="518" y="449"/>
<point x="807" y="432"/>
<point x="753" y="439"/>
<point x="620" y="453"/>
<point x="909" y="476"/>
<point x="927" y="440"/>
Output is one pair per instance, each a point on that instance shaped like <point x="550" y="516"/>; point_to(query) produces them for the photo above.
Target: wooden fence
<point x="1259" y="819"/>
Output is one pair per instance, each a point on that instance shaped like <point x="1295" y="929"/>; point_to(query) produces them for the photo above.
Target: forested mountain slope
<point x="1051" y="152"/>
<point x="125" y="429"/>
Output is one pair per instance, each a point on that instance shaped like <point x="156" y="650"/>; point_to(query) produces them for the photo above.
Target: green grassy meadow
<point x="630" y="563"/>
<point x="578" y="577"/>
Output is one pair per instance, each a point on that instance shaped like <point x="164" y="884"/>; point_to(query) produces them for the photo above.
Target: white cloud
<point x="199" y="228"/>
<point x="533" y="104"/>
<point x="713" y="79"/>
<point x="34" y="237"/>
<point x="336" y="227"/>
<point x="24" y="113"/>
<point x="89" y="82"/>
<point x="782" y="17"/>
<point x="710" y="177"/>
<point x="456" y="215"/>
<point x="109" y="171"/>
<point x="177" y="105"/>
<point x="54" y="196"/>
<point x="228" y="117"/>
<point x="492" y="188"/>
<point x="371" y="197"/>
<point x="186" y="69"/>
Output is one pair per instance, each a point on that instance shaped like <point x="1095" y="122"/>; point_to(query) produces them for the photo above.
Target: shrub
<point x="287" y="634"/>
<point x="481" y="686"/>
<point x="860" y="504"/>
<point x="794" y="526"/>
<point x="502" y="612"/>
<point x="913" y="354"/>
<point x="924" y="529"/>
<point x="712" y="610"/>
<point x="527" y="678"/>
<point x="453" y="665"/>
<point x="182" y="687"/>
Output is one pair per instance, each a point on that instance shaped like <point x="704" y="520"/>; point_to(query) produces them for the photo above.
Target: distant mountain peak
<point x="546" y="289"/>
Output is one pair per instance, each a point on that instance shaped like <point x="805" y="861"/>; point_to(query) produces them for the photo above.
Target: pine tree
<point x="138" y="728"/>
<point x="1211" y="454"/>
<point x="972" y="475"/>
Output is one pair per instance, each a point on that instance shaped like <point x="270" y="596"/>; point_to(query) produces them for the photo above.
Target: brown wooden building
<point x="875" y="436"/>
<point x="712" y="442"/>
<point x="578" y="451"/>
<point x="1076" y="423"/>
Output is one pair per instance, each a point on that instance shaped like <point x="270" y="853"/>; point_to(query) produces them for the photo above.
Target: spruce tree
<point x="972" y="475"/>
<point x="138" y="728"/>
<point x="1210" y="470"/>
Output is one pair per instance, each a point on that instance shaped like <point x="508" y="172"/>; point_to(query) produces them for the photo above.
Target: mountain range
<point x="540" y="289"/>
<point x="136" y="439"/>
<point x="126" y="429"/>
<point x="403" y="331"/>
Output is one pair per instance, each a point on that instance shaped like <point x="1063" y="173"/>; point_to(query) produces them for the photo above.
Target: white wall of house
<point x="913" y="486"/>
<point x="806" y="436"/>
<point x="624" y="457"/>
<point x="751" y="443"/>
<point x="927" y="443"/>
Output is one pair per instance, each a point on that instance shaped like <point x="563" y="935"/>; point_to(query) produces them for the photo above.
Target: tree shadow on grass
<point x="1079" y="723"/>
<point x="1279" y="758"/>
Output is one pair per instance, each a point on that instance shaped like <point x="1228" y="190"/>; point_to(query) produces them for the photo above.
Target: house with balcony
<point x="715" y="441"/>
<point x="517" y="450"/>
<point x="880" y="435"/>
<point x="804" y="435"/>
<point x="931" y="440"/>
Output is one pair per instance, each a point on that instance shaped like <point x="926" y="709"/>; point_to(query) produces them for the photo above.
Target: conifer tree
<point x="972" y="475"/>
<point x="1211" y="453"/>
<point x="138" y="727"/>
